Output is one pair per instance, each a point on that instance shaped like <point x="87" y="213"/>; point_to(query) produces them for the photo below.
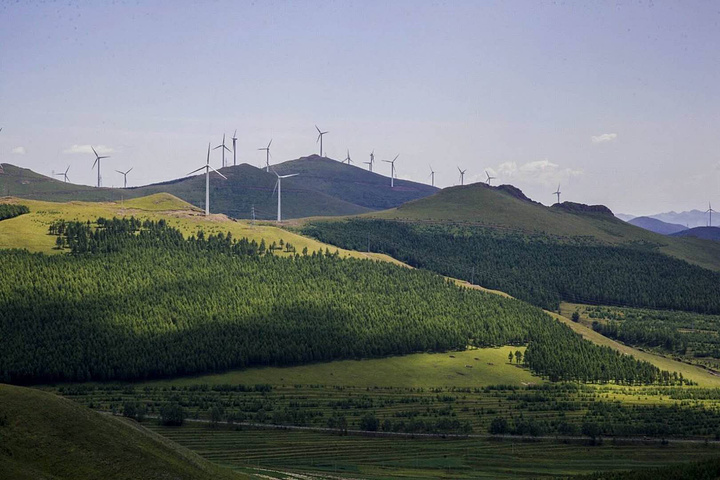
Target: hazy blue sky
<point x="619" y="101"/>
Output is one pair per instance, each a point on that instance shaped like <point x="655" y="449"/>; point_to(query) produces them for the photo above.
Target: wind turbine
<point x="347" y="159"/>
<point x="489" y="178"/>
<point x="432" y="176"/>
<point x="64" y="175"/>
<point x="207" y="169"/>
<point x="278" y="186"/>
<point x="710" y="211"/>
<point x="392" y="170"/>
<point x="234" y="139"/>
<point x="462" y="176"/>
<point x="124" y="174"/>
<point x="97" y="160"/>
<point x="267" y="156"/>
<point x="557" y="193"/>
<point x="372" y="160"/>
<point x="319" y="139"/>
<point x="222" y="145"/>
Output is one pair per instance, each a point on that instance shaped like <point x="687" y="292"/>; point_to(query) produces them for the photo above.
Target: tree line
<point x="9" y="210"/>
<point x="540" y="271"/>
<point x="142" y="302"/>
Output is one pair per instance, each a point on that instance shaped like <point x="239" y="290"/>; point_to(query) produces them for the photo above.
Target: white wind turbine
<point x="64" y="174"/>
<point x="267" y="155"/>
<point x="207" y="169"/>
<point x="97" y="161"/>
<point x="489" y="177"/>
<point x="222" y="145"/>
<point x="462" y="176"/>
<point x="278" y="187"/>
<point x="347" y="159"/>
<point x="124" y="174"/>
<point x="372" y="160"/>
<point x="432" y="176"/>
<point x="392" y="170"/>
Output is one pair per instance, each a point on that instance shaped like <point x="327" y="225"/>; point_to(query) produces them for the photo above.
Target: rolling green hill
<point x="43" y="436"/>
<point x="324" y="188"/>
<point x="505" y="209"/>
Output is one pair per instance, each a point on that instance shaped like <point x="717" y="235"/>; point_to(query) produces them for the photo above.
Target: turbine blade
<point x="211" y="168"/>
<point x="121" y="173"/>
<point x="93" y="149"/>
<point x="269" y="143"/>
<point x="201" y="168"/>
<point x="226" y="148"/>
<point x="96" y="160"/>
<point x="218" y="147"/>
<point x="129" y="170"/>
<point x="276" y="184"/>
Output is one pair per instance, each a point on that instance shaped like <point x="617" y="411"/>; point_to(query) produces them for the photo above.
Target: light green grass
<point x="30" y="230"/>
<point x="43" y="436"/>
<point x="456" y="369"/>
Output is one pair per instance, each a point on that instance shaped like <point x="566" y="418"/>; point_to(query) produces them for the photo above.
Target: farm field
<point x="274" y="453"/>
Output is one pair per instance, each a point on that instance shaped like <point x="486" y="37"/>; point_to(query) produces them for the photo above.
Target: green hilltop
<point x="506" y="209"/>
<point x="43" y="436"/>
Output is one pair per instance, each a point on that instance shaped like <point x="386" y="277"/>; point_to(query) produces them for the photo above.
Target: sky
<point x="618" y="102"/>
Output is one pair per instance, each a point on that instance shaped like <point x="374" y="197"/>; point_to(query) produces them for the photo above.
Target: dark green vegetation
<point x="250" y="450"/>
<point x="532" y="268"/>
<point x="505" y="209"/>
<point x="150" y="303"/>
<point x="43" y="436"/>
<point x="9" y="210"/>
<point x="692" y="336"/>
<point x="325" y="187"/>
<point x="702" y="470"/>
<point x="566" y="409"/>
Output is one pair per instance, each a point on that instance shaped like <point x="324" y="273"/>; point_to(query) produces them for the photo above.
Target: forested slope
<point x="535" y="269"/>
<point x="139" y="301"/>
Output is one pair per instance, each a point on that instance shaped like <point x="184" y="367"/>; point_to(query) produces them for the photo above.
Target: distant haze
<point x="619" y="102"/>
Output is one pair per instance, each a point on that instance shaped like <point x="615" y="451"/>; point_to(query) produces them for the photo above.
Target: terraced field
<point x="278" y="453"/>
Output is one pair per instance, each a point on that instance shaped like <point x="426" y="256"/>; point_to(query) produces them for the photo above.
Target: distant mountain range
<point x="657" y="226"/>
<point x="325" y="187"/>
<point x="693" y="218"/>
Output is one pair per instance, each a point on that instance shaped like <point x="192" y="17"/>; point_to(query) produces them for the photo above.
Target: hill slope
<point x="353" y="184"/>
<point x="657" y="226"/>
<point x="325" y="187"/>
<point x="705" y="233"/>
<point x="43" y="436"/>
<point x="507" y="209"/>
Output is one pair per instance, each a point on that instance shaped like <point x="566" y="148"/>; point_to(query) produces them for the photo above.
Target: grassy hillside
<point x="353" y="184"/>
<point x="324" y="188"/>
<point x="705" y="233"/>
<point x="30" y="230"/>
<point x="43" y="436"/>
<point x="506" y="209"/>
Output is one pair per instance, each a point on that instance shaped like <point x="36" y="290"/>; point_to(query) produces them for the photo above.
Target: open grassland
<point x="43" y="436"/>
<point x="470" y="368"/>
<point x="30" y="230"/>
<point x="273" y="453"/>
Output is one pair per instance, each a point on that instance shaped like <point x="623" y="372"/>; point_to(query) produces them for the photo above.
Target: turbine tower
<point x="557" y="193"/>
<point x="710" y="211"/>
<point x="347" y="159"/>
<point x="207" y="169"/>
<point x="432" y="176"/>
<point x="392" y="170"/>
<point x="319" y="139"/>
<point x="222" y="145"/>
<point x="124" y="174"/>
<point x="278" y="187"/>
<point x="267" y="156"/>
<point x="462" y="176"/>
<point x="372" y="160"/>
<point x="489" y="178"/>
<point x="64" y="175"/>
<point x="97" y="161"/>
<point x="234" y="139"/>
